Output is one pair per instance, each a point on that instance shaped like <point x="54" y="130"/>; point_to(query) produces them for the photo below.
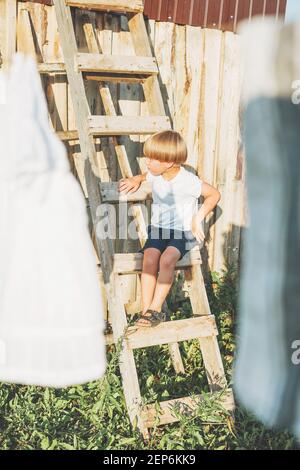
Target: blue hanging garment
<point x="267" y="366"/>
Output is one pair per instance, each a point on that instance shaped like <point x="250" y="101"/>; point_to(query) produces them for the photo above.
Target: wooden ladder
<point x="140" y="68"/>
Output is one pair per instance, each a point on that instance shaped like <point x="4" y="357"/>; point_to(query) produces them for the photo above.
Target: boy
<point x="175" y="222"/>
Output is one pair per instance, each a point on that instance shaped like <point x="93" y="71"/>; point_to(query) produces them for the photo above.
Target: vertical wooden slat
<point x="58" y="83"/>
<point x="227" y="149"/>
<point x="194" y="61"/>
<point x="209" y="120"/>
<point x="25" y="40"/>
<point x="8" y="23"/>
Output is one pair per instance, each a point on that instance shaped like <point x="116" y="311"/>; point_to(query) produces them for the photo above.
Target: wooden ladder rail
<point x="105" y="246"/>
<point x="88" y="126"/>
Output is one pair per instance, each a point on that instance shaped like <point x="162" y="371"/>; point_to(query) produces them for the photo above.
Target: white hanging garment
<point x="51" y="314"/>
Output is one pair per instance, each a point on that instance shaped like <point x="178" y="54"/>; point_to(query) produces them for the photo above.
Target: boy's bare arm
<point x="130" y="185"/>
<point x="211" y="198"/>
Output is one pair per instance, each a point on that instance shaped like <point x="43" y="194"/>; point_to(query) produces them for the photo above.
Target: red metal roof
<point x="219" y="14"/>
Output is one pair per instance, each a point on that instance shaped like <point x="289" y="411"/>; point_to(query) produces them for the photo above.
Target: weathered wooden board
<point x="200" y="88"/>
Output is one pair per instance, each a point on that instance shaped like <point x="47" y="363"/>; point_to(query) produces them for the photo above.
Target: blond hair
<point x="166" y="146"/>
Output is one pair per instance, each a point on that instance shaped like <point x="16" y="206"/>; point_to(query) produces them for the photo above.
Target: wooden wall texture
<point x="200" y="81"/>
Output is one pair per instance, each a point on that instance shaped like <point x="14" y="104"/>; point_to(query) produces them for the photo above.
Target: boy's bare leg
<point x="164" y="281"/>
<point x="149" y="276"/>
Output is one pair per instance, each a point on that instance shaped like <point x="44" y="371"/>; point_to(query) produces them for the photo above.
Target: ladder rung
<point x="109" y="193"/>
<point x="127" y="125"/>
<point x="87" y="62"/>
<point x="132" y="262"/>
<point x="108" y="77"/>
<point x="58" y="68"/>
<point x="67" y="135"/>
<point x="172" y="332"/>
<point x="186" y="404"/>
<point x="118" y="6"/>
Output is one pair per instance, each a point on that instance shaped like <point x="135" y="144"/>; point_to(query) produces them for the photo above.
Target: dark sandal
<point x="154" y="319"/>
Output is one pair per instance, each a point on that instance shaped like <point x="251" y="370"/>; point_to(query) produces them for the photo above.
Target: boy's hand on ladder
<point x="129" y="185"/>
<point x="197" y="230"/>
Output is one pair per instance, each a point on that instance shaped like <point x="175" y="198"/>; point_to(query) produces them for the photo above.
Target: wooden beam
<point x="108" y="77"/>
<point x="171" y="332"/>
<point x="87" y="62"/>
<point x="118" y="6"/>
<point x="186" y="405"/>
<point x="132" y="262"/>
<point x="67" y="135"/>
<point x="56" y="68"/>
<point x="127" y="125"/>
<point x="209" y="345"/>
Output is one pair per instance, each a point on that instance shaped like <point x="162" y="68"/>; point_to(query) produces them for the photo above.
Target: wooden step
<point x="110" y="193"/>
<point x="171" y="332"/>
<point x="67" y="135"/>
<point x="127" y="125"/>
<point x="59" y="68"/>
<point x="48" y="68"/>
<point x="133" y="262"/>
<point x="115" y="64"/>
<point x="109" y="77"/>
<point x="186" y="405"/>
<point x="116" y="6"/>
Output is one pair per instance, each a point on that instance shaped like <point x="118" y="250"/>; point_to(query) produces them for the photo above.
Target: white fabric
<point x="174" y="201"/>
<point x="51" y="318"/>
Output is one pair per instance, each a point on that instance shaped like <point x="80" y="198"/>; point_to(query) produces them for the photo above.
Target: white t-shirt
<point x="175" y="201"/>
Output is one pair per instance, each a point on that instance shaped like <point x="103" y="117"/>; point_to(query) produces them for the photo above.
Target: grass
<point x="94" y="416"/>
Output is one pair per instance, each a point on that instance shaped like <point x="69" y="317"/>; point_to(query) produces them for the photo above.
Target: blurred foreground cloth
<point x="267" y="365"/>
<point x="51" y="318"/>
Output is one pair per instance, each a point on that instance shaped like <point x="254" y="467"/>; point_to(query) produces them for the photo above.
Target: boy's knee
<point x="151" y="259"/>
<point x="167" y="261"/>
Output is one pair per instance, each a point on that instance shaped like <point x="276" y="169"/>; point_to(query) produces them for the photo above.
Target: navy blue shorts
<point x="161" y="238"/>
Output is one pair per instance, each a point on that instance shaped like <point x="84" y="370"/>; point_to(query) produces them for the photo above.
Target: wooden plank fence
<point x="200" y="81"/>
